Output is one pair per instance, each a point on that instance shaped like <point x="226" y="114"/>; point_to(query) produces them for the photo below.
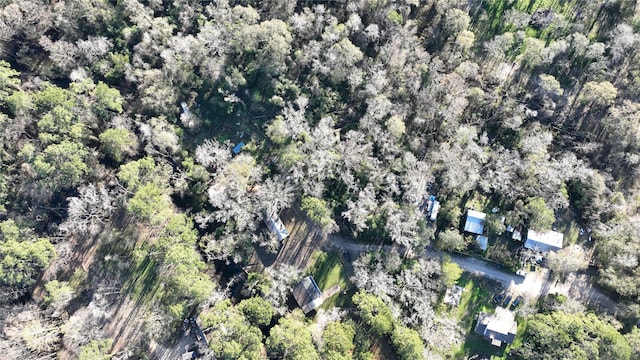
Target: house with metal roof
<point x="544" y="241"/>
<point x="308" y="294"/>
<point x="475" y="222"/>
<point x="498" y="328"/>
<point x="275" y="226"/>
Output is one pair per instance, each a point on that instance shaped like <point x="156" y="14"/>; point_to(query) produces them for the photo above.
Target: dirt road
<point x="532" y="286"/>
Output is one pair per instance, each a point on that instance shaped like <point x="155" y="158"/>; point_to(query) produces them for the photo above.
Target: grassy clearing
<point x="476" y="298"/>
<point x="571" y="232"/>
<point x="328" y="270"/>
<point x="452" y="272"/>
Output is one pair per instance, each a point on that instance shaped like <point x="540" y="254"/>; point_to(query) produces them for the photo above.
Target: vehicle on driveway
<point x="516" y="302"/>
<point x="498" y="298"/>
<point x="507" y="301"/>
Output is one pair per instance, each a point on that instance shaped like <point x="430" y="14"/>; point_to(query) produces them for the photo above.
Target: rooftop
<point x="276" y="226"/>
<point x="544" y="241"/>
<point x="475" y="222"/>
<point x="307" y="294"/>
<point x="499" y="327"/>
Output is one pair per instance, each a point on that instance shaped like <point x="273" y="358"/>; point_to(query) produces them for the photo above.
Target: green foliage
<point x="586" y="196"/>
<point x="317" y="210"/>
<point x="328" y="270"/>
<point x="52" y="96"/>
<point x="232" y="336"/>
<point x="184" y="275"/>
<point x="538" y="215"/>
<point x="145" y="170"/>
<point x="96" y="350"/>
<point x="59" y="124"/>
<point x="599" y="93"/>
<point x="572" y="336"/>
<point x="278" y="131"/>
<point x="19" y="102"/>
<point x="494" y="225"/>
<point x="258" y="284"/>
<point x="9" y="81"/>
<point x="21" y="256"/>
<point x="107" y="97"/>
<point x="452" y="272"/>
<point x="257" y="310"/>
<point x="291" y="339"/>
<point x="117" y="143"/>
<point x="338" y="340"/>
<point x="395" y="17"/>
<point x="57" y="291"/>
<point x="374" y="312"/>
<point x="117" y="66"/>
<point x="451" y="240"/>
<point x="62" y="165"/>
<point x="150" y="203"/>
<point x="618" y="254"/>
<point x="407" y="343"/>
<point x="633" y="337"/>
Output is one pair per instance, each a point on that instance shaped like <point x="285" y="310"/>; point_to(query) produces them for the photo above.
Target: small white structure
<point x="475" y="222"/>
<point x="544" y="241"/>
<point x="275" y="226"/>
<point x="516" y="236"/>
<point x="434" y="207"/>
<point x="453" y="295"/>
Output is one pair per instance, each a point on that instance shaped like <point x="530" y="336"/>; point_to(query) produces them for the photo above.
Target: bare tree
<point x="88" y="212"/>
<point x="213" y="154"/>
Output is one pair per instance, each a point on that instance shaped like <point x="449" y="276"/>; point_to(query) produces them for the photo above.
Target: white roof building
<point x="544" y="241"/>
<point x="475" y="222"/>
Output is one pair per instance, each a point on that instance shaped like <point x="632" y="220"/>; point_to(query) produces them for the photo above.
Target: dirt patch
<point x="305" y="238"/>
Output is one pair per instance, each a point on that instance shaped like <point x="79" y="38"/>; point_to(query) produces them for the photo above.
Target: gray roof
<point x="308" y="294"/>
<point x="544" y="241"/>
<point x="500" y="327"/>
<point x="475" y="222"/>
<point x="276" y="226"/>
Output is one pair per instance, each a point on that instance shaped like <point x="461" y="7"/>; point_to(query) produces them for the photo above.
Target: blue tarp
<point x="237" y="148"/>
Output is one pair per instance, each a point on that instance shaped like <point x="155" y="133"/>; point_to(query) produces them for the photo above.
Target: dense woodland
<point x="352" y="112"/>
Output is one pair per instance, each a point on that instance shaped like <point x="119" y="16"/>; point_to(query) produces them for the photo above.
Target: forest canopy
<point x="147" y="149"/>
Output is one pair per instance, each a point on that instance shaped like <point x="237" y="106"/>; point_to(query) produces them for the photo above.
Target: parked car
<point x="498" y="298"/>
<point x="516" y="302"/>
<point x="347" y="256"/>
<point x="507" y="301"/>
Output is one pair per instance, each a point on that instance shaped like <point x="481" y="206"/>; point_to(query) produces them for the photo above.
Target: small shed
<point x="544" y="241"/>
<point x="453" y="295"/>
<point x="275" y="226"/>
<point x="483" y="242"/>
<point x="185" y="108"/>
<point x="308" y="294"/>
<point x="238" y="148"/>
<point x="517" y="235"/>
<point x="498" y="328"/>
<point x="475" y="222"/>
